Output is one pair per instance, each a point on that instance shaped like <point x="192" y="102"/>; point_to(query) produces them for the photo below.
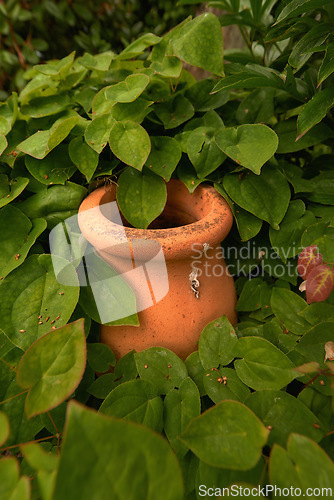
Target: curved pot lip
<point x="175" y="241"/>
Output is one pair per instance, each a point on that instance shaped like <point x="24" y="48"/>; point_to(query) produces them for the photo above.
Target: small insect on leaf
<point x="319" y="284"/>
<point x="308" y="259"/>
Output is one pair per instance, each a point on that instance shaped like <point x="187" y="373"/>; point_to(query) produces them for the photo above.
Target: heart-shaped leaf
<point x="216" y="343"/>
<point x="180" y="407"/>
<point x="130" y="142"/>
<point x="200" y="43"/>
<point x="32" y="300"/>
<point x="98" y="131"/>
<point x="134" y="458"/>
<point x="266" y="196"/>
<point x="136" y="400"/>
<point x="228" y="435"/>
<point x="129" y="89"/>
<point x="263" y="366"/>
<point x="42" y="142"/>
<point x="52" y="367"/>
<point x="161" y="367"/>
<point x="164" y="156"/>
<point x="17" y="235"/>
<point x="141" y="196"/>
<point x="11" y="189"/>
<point x="55" y="168"/>
<point x="203" y="151"/>
<point x="84" y="157"/>
<point x="250" y="145"/>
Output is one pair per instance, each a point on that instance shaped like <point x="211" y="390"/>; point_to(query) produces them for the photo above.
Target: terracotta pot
<point x="189" y="232"/>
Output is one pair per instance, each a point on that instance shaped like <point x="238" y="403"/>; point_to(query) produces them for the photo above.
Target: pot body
<point x="176" y="269"/>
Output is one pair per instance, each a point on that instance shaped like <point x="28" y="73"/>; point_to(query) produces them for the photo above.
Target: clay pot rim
<point x="209" y="230"/>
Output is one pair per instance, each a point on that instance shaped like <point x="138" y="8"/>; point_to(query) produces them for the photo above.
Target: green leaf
<point x="287" y="133"/>
<point x="287" y="240"/>
<point x="55" y="168"/>
<point x="250" y="297"/>
<point x="5" y="128"/>
<point x="22" y="429"/>
<point x="129" y="89"/>
<point x="4" y="427"/>
<point x="180" y="407"/>
<point x="17" y="235"/>
<point x="174" y="111"/>
<point x="224" y="384"/>
<point x="56" y="67"/>
<point x="170" y="67"/>
<point x="161" y="367"/>
<point x="130" y="142"/>
<point x="248" y="225"/>
<point x="312" y="344"/>
<point x="98" y="131"/>
<point x="200" y="43"/>
<point x="41" y="143"/>
<point x="286" y="306"/>
<point x="30" y="294"/>
<point x="137" y="464"/>
<point x="11" y="189"/>
<point x="138" y="46"/>
<point x="196" y="371"/>
<point x="253" y="76"/>
<point x="84" y="157"/>
<point x="304" y="465"/>
<point x="201" y="98"/>
<point x="250" y="145"/>
<point x="98" y="62"/>
<point x="102" y="386"/>
<point x="323" y="188"/>
<point x="216" y="343"/>
<point x="217" y="478"/>
<point x="228" y="435"/>
<point x="46" y="106"/>
<point x="15" y="136"/>
<point x="187" y="174"/>
<point x="258" y="107"/>
<point x="262" y="366"/>
<point x="136" y="400"/>
<point x="134" y="111"/>
<point x="315" y="110"/>
<point x="266" y="196"/>
<point x="3" y="143"/>
<point x="38" y="458"/>
<point x="203" y="151"/>
<point x="54" y="204"/>
<point x="100" y="357"/>
<point x="164" y="156"/>
<point x="52" y="367"/>
<point x="304" y="48"/>
<point x="105" y="296"/>
<point x="327" y="66"/>
<point x="294" y="175"/>
<point x="285" y="414"/>
<point x="297" y="7"/>
<point x="141" y="196"/>
<point x="12" y="487"/>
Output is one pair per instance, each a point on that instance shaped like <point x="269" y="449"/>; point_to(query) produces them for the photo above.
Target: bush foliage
<point x="254" y="405"/>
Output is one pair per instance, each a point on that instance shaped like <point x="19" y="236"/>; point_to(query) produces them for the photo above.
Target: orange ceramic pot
<point x="185" y="242"/>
